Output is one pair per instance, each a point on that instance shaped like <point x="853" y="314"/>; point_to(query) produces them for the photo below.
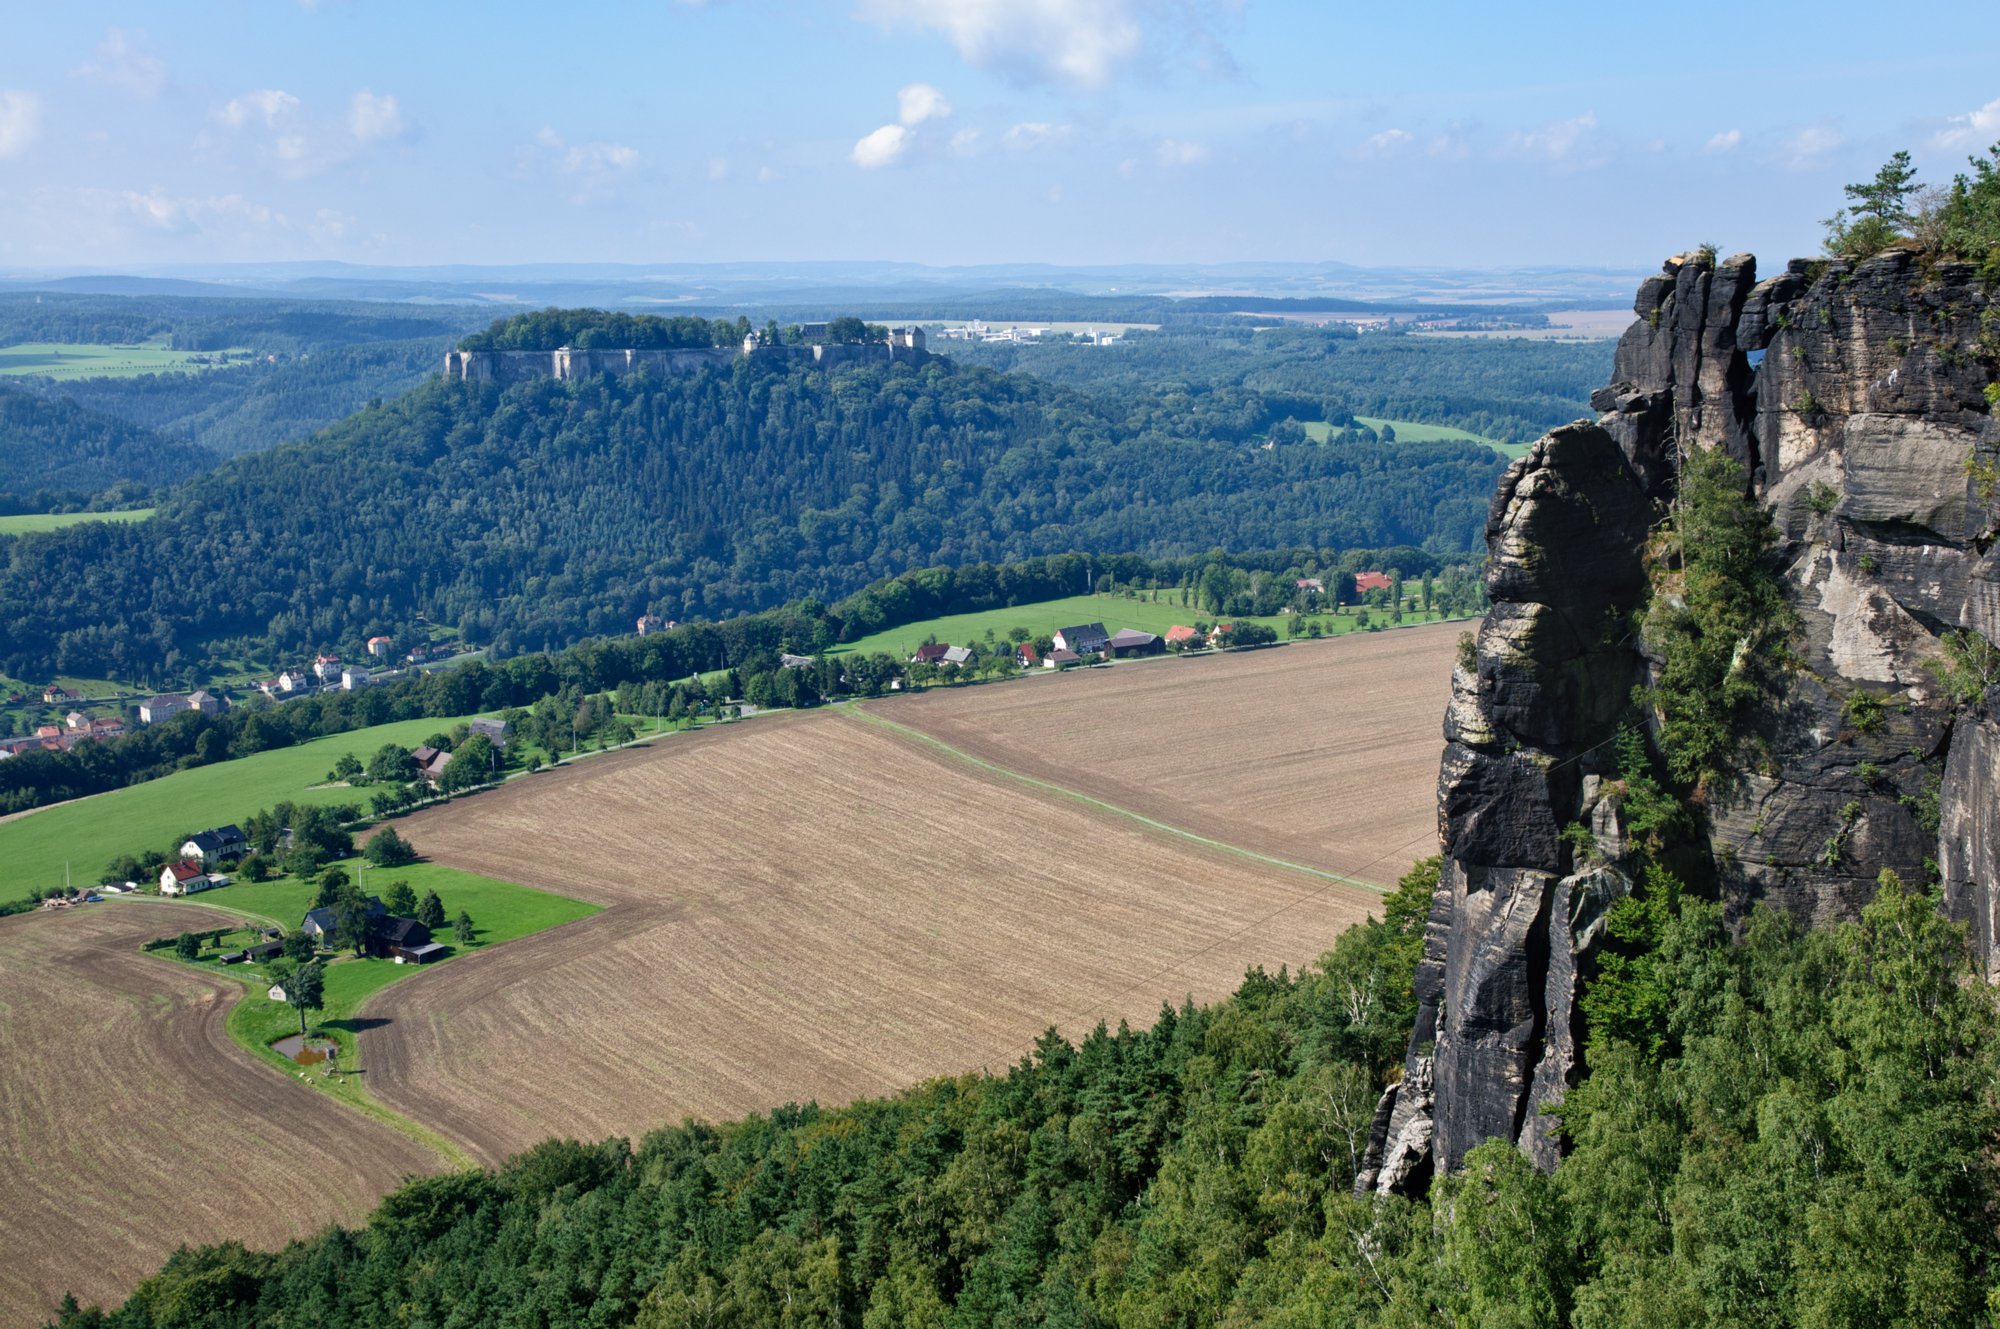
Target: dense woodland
<point x="56" y="454"/>
<point x="530" y="517"/>
<point x="1512" y="390"/>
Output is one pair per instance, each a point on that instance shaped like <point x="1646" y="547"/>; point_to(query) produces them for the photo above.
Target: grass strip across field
<point x="904" y="731"/>
<point x="27" y="523"/>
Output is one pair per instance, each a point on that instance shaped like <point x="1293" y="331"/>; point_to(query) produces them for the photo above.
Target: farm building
<point x="1131" y="641"/>
<point x="958" y="656"/>
<point x="1084" y="639"/>
<point x="321" y="925"/>
<point x="185" y="879"/>
<point x="495" y="730"/>
<point x="931" y="652"/>
<point x="404" y="940"/>
<point x="220" y="844"/>
<point x="786" y="660"/>
<point x="1178" y="635"/>
<point x="1365" y="582"/>
<point x="1060" y="658"/>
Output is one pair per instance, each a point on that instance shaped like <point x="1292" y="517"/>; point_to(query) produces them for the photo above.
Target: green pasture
<point x="87" y="360"/>
<point x="1412" y="431"/>
<point x="501" y="912"/>
<point x="89" y="832"/>
<point x="1043" y="618"/>
<point x="28" y="522"/>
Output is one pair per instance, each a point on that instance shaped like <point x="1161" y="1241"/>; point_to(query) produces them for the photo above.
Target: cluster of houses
<point x="1073" y="645"/>
<point x="201" y="855"/>
<point x="328" y="673"/>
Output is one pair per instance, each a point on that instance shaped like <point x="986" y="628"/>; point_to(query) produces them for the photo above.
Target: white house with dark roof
<point x="1084" y="639"/>
<point x="155" y="709"/>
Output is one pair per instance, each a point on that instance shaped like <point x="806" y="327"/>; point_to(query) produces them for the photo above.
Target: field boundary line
<point x="909" y="732"/>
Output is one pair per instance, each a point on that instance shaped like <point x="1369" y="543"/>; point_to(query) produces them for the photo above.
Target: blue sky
<point x="964" y="131"/>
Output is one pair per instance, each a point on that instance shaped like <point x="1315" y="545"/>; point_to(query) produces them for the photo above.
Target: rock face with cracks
<point x="1854" y="396"/>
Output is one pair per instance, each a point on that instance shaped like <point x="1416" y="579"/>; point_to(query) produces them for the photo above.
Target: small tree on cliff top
<point x="1878" y="216"/>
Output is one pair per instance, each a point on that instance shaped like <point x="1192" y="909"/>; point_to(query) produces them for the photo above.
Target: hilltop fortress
<point x="903" y="345"/>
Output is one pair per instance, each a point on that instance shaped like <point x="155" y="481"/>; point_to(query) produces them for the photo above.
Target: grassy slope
<point x="90" y="832"/>
<point x="1411" y="431"/>
<point x="1114" y="611"/>
<point x="49" y="521"/>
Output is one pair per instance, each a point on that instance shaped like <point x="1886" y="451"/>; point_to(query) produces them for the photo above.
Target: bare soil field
<point x="129" y="1123"/>
<point x="1318" y="752"/>
<point x="806" y="907"/>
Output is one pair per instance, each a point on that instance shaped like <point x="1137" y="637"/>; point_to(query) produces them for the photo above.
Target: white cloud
<point x="965" y="142"/>
<point x="155" y="209"/>
<point x="920" y="102"/>
<point x="1975" y="129"/>
<point x="371" y="118"/>
<point x="765" y="175"/>
<point x="1567" y="143"/>
<point x="1726" y="141"/>
<point x="600" y="157"/>
<point x="121" y="63"/>
<point x="1030" y="134"/>
<point x="1081" y="42"/>
<point x="883" y="147"/>
<point x="1172" y="152"/>
<point x="1389" y="142"/>
<point x="20" y="121"/>
<point x="1810" y="147"/>
<point x="272" y="106"/>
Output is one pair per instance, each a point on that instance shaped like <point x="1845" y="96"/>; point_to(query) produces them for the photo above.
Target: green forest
<point x="531" y="517"/>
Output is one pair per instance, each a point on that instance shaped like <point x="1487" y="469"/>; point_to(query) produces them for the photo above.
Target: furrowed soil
<point x="812" y="906"/>
<point x="1318" y="752"/>
<point x="129" y="1123"/>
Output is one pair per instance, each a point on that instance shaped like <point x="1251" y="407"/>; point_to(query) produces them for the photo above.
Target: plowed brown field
<point x="129" y="1123"/>
<point x="808" y="907"/>
<point x="1321" y="752"/>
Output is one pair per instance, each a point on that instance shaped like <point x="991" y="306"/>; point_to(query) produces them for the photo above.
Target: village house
<point x="57" y="695"/>
<point x="221" y="844"/>
<point x="1131" y="641"/>
<point x="404" y="940"/>
<point x="430" y="763"/>
<point x="1310" y="585"/>
<point x="326" y="667"/>
<point x="651" y="623"/>
<point x="378" y="647"/>
<point x="495" y="730"/>
<point x="1061" y="658"/>
<point x="294" y="681"/>
<point x="206" y="702"/>
<point x="1028" y="656"/>
<point x="77" y="720"/>
<point x="106" y="726"/>
<point x="48" y="731"/>
<point x="1365" y="582"/>
<point x="931" y="652"/>
<point x="321" y="926"/>
<point x="958" y="657"/>
<point x="786" y="660"/>
<point x="353" y="680"/>
<point x="185" y="879"/>
<point x="1084" y="639"/>
<point x="1178" y="635"/>
<point x="155" y="709"/>
<point x="1219" y="634"/>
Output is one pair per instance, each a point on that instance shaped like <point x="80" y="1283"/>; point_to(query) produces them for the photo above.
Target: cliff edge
<point x="1854" y="396"/>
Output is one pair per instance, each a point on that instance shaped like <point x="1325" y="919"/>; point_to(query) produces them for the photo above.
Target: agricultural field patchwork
<point x="1323" y="753"/>
<point x="64" y="360"/>
<point x="806" y="906"/>
<point x="1045" y="617"/>
<point x="130" y="1123"/>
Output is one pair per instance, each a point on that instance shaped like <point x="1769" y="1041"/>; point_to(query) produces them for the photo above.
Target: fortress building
<point x="904" y="345"/>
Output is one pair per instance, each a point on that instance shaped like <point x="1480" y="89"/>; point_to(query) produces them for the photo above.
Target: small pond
<point x="306" y="1051"/>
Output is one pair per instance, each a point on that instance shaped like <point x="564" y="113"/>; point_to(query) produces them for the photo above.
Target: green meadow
<point x="87" y="360"/>
<point x="1043" y="618"/>
<point x="28" y="522"/>
<point x="89" y="832"/>
<point x="1411" y="431"/>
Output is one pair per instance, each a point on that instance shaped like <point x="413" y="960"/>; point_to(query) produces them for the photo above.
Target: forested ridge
<point x="549" y="511"/>
<point x="58" y="453"/>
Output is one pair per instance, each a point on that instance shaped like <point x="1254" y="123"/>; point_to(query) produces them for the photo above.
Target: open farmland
<point x="804" y="907"/>
<point x="1319" y="752"/>
<point x="129" y="1123"/>
<point x="67" y="360"/>
<point x="28" y="523"/>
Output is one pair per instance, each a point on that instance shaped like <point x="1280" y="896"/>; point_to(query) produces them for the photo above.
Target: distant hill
<point x="56" y="451"/>
<point x="548" y="511"/>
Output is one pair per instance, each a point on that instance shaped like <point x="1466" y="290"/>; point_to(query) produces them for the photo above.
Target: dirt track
<point x="1319" y="752"/>
<point x="129" y="1123"/>
<point x="805" y="907"/>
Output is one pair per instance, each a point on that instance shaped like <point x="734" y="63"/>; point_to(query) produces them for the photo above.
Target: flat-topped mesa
<point x="903" y="346"/>
<point x="1854" y="396"/>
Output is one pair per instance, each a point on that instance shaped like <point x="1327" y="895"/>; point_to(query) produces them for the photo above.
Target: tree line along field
<point x="1323" y="753"/>
<point x="89" y="833"/>
<point x="807" y="906"/>
<point x="130" y="1123"/>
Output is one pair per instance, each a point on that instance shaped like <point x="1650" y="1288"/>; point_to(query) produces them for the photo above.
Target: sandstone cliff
<point x="1854" y="396"/>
